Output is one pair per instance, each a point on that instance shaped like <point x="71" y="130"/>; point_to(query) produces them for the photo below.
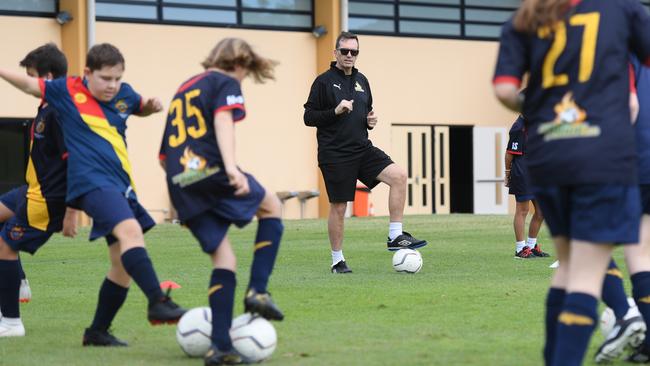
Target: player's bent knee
<point x="129" y="233"/>
<point x="270" y="207"/>
<point x="400" y="175"/>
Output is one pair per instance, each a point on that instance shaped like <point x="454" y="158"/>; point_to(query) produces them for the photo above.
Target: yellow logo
<point x="121" y="106"/>
<point x="80" y="98"/>
<point x="358" y="87"/>
<point x="191" y="161"/>
<point x="570" y="122"/>
<point x="568" y="318"/>
<point x="195" y="169"/>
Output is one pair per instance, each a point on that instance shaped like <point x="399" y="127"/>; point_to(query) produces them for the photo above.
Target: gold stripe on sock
<point x="615" y="272"/>
<point x="568" y="318"/>
<point x="214" y="289"/>
<point x="262" y="244"/>
<point x="645" y="300"/>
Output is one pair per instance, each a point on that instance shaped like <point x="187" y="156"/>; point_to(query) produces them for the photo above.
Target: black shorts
<point x="341" y="178"/>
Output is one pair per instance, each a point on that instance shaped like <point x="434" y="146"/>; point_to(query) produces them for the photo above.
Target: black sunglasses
<point x="347" y="51"/>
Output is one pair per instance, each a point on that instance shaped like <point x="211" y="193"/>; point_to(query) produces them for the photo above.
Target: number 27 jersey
<point x="193" y="162"/>
<point x="577" y="99"/>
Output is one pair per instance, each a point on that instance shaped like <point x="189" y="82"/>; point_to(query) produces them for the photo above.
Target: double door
<point x="427" y="185"/>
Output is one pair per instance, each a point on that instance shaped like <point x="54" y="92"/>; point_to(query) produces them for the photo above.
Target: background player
<point x="518" y="183"/>
<point x="210" y="192"/>
<point x="581" y="155"/>
<point x="32" y="213"/>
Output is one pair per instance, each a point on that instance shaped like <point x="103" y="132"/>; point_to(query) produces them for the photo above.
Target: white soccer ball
<point x="608" y="319"/>
<point x="193" y="332"/>
<point x="407" y="260"/>
<point x="253" y="337"/>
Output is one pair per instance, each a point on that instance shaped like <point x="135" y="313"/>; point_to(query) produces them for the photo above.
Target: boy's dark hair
<point x="346" y="35"/>
<point x="103" y="54"/>
<point x="47" y="58"/>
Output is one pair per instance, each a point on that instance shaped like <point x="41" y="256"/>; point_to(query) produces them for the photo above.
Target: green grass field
<point x="471" y="304"/>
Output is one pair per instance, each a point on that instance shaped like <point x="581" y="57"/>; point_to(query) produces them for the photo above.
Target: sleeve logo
<point x="234" y="99"/>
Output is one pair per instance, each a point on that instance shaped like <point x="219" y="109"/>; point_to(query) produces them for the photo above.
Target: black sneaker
<point x="640" y="355"/>
<point x="215" y="357"/>
<point x="164" y="311"/>
<point x="538" y="252"/>
<point x="525" y="253"/>
<point x="262" y="304"/>
<point x="405" y="241"/>
<point x="341" y="267"/>
<point x="94" y="337"/>
<point x="626" y="332"/>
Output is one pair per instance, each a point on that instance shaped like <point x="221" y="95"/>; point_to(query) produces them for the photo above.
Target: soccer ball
<point x="407" y="260"/>
<point x="608" y="319"/>
<point x="253" y="337"/>
<point x="194" y="330"/>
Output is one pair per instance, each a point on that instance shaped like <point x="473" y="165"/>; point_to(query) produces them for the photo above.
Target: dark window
<point x="465" y="19"/>
<point x="28" y="7"/>
<point x="266" y="14"/>
<point x="14" y="148"/>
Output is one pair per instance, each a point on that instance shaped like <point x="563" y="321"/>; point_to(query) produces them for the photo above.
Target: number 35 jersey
<point x="189" y="147"/>
<point x="577" y="99"/>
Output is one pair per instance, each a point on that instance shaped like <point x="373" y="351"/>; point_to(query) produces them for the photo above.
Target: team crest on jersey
<point x="121" y="106"/>
<point x="195" y="169"/>
<point x="16" y="232"/>
<point x="358" y="87"/>
<point x="80" y="98"/>
<point x="39" y="128"/>
<point x="570" y="122"/>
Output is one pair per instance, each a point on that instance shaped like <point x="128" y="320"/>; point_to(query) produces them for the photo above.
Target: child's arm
<point x="150" y="106"/>
<point x="23" y="82"/>
<point x="225" y="130"/>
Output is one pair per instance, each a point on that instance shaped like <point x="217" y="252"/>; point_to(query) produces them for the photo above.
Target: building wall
<point x="18" y="36"/>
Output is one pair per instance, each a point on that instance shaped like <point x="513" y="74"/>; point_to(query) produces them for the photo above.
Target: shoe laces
<point x="526" y="252"/>
<point x="167" y="300"/>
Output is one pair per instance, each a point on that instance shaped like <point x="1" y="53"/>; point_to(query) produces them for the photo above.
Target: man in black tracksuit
<point x="340" y="107"/>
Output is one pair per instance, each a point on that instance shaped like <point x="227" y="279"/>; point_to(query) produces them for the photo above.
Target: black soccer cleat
<point x="262" y="304"/>
<point x="341" y="267"/>
<point x="405" y="241"/>
<point x="626" y="333"/>
<point x="93" y="337"/>
<point x="164" y="311"/>
<point x="538" y="252"/>
<point x="216" y="357"/>
<point x="640" y="355"/>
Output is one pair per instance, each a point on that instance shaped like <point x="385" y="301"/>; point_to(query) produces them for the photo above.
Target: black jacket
<point x="344" y="137"/>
